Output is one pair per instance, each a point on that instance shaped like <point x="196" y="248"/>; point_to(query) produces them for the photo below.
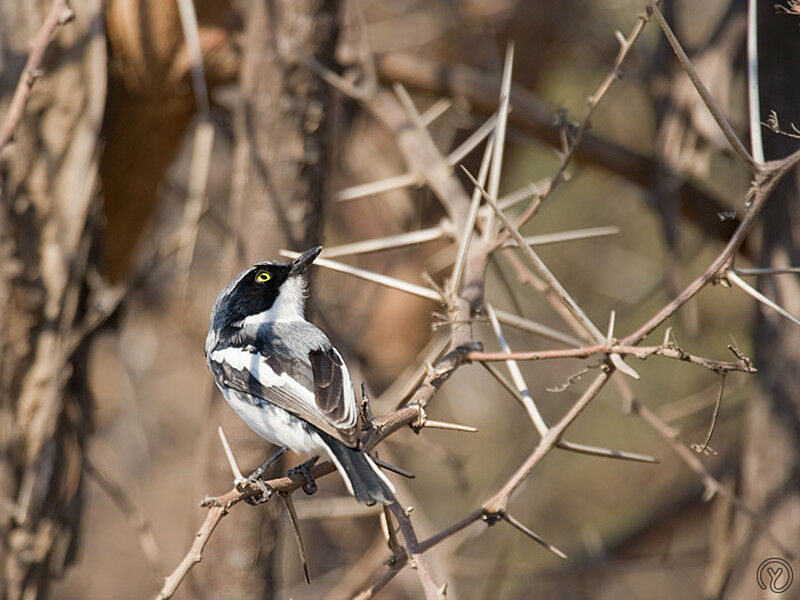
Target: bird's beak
<point x="302" y="262"/>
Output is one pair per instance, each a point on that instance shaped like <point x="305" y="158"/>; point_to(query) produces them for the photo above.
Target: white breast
<point x="274" y="424"/>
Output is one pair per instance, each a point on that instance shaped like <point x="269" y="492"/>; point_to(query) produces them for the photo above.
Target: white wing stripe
<point x="244" y="360"/>
<point x="253" y="362"/>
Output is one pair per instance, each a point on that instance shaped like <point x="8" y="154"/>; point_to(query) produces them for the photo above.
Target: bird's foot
<point x="304" y="470"/>
<point x="257" y="490"/>
<point x="269" y="462"/>
<point x="254" y="489"/>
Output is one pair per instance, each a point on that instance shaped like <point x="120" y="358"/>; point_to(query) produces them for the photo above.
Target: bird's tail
<point x="360" y="473"/>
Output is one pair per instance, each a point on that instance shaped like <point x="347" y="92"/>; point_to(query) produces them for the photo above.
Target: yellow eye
<point x="263" y="277"/>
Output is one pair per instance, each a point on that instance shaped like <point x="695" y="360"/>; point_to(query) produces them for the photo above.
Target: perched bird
<point x="283" y="377"/>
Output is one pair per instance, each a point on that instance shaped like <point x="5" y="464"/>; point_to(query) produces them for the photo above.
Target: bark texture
<point x="48" y="227"/>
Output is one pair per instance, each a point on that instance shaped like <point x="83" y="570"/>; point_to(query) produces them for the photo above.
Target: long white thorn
<point x="237" y="474"/>
<point x="380" y="279"/>
<point x="385" y="243"/>
<point x="469" y="226"/>
<point x="500" y="133"/>
<point x="748" y="289"/>
<point x="516" y="375"/>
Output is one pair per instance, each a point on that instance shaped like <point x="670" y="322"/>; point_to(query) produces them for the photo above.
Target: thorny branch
<point x="641" y="352"/>
<point x="427" y="164"/>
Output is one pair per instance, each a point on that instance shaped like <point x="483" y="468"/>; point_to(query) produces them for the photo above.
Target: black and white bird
<point x="283" y="377"/>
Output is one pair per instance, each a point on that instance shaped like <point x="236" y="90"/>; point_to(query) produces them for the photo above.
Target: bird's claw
<point x="254" y="489"/>
<point x="304" y="470"/>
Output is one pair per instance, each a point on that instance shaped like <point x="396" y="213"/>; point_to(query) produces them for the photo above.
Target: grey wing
<point x="333" y="392"/>
<point x="289" y="384"/>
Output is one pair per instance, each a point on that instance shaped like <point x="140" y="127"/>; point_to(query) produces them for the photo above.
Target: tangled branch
<point x="482" y="228"/>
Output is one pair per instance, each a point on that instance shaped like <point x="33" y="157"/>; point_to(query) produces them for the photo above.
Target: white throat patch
<point x="288" y="306"/>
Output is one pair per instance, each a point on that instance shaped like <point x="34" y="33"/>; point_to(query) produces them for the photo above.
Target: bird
<point x="283" y="377"/>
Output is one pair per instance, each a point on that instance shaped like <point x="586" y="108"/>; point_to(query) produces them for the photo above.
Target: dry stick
<point x="60" y="13"/>
<point x="594" y="100"/>
<point x="753" y="101"/>
<point x="379" y="278"/>
<point x="523" y="324"/>
<point x="767" y="271"/>
<point x="498" y="503"/>
<point x="407" y="179"/>
<point x="195" y="554"/>
<point x="544" y="272"/>
<point x="766" y="180"/>
<point x="701" y="448"/>
<point x="564" y="444"/>
<point x="516" y="524"/>
<point x="384" y="579"/>
<point x="708" y="99"/>
<point x="532" y="116"/>
<point x="415" y="552"/>
<point x="564" y="236"/>
<point x="711" y="484"/>
<point x="301" y="548"/>
<point x="640" y="352"/>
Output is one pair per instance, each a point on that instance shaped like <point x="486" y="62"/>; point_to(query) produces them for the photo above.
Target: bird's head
<point x="265" y="292"/>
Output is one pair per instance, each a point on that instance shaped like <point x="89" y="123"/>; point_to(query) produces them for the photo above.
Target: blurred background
<point x="134" y="190"/>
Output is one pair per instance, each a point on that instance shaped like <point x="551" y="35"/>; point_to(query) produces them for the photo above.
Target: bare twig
<point x="692" y="460"/>
<point x="60" y="13"/>
<point x="500" y="133"/>
<point x="539" y="265"/>
<point x="640" y="352"/>
<point x="516" y="524"/>
<point x="215" y="514"/>
<point x="593" y="102"/>
<point x="701" y="448"/>
<point x="708" y="99"/>
<point x="301" y="548"/>
<point x="415" y="552"/>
